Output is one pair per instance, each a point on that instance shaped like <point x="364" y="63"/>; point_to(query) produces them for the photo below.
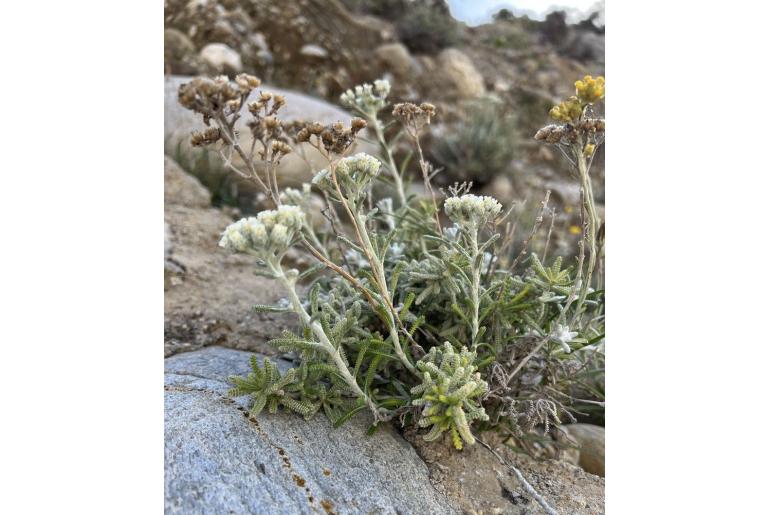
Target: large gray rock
<point x="217" y="460"/>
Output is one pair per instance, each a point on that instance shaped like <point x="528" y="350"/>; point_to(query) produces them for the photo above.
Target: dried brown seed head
<point x="280" y="147"/>
<point x="356" y="124"/>
<point x="271" y="122"/>
<point x="246" y="82"/>
<point x="211" y="135"/>
<point x="234" y="105"/>
<point x="428" y="108"/>
<point x="315" y="128"/>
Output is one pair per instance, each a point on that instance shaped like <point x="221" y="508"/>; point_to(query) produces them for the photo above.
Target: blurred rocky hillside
<point x="493" y="84"/>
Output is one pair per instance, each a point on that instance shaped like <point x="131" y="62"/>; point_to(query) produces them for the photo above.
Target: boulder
<point x="179" y="52"/>
<point x="220" y="58"/>
<point x="395" y="58"/>
<point x="462" y="79"/>
<point x="219" y="460"/>
<point x="182" y="188"/>
<point x="590" y="442"/>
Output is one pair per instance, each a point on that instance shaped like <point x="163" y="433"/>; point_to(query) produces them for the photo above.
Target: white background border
<point x="687" y="231"/>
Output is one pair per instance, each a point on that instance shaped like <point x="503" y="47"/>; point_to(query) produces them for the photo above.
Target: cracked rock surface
<point x="218" y="460"/>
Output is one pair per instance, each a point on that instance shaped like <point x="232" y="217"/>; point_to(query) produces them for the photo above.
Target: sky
<point x="475" y="12"/>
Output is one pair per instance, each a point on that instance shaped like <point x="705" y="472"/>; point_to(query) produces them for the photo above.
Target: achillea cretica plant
<point x="419" y="309"/>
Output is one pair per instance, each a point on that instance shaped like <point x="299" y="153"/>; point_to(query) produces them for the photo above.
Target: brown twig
<point x="535" y="227"/>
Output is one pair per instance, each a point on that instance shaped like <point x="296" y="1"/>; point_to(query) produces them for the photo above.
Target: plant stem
<point x="379" y="275"/>
<point x="391" y="162"/>
<point x="319" y="333"/>
<point x="590" y="211"/>
<point x="425" y="169"/>
<point x="476" y="286"/>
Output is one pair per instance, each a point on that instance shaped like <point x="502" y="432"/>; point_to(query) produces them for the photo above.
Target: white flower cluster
<point x="563" y="336"/>
<point x="268" y="233"/>
<point x="367" y="98"/>
<point x="472" y="208"/>
<point x="353" y="174"/>
<point x="360" y="167"/>
<point x="296" y="197"/>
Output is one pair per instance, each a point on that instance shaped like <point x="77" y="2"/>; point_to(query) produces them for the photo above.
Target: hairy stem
<point x="391" y="162"/>
<point x="319" y="333"/>
<point x="379" y="275"/>
<point x="425" y="169"/>
<point x="590" y="211"/>
<point x="476" y="263"/>
<point x="232" y="140"/>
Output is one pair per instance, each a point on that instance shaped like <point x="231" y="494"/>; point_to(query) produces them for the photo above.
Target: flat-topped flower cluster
<point x="367" y="98"/>
<point x="269" y="234"/>
<point x="353" y="175"/>
<point x="473" y="209"/>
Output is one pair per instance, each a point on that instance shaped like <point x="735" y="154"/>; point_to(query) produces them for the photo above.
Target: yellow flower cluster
<point x="568" y="111"/>
<point x="589" y="90"/>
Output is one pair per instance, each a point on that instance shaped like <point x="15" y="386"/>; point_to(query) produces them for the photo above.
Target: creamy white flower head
<point x="268" y="218"/>
<point x="295" y="197"/>
<point x="267" y="235"/>
<point x="360" y="167"/>
<point x="382" y="87"/>
<point x="472" y="208"/>
<point x="280" y="236"/>
<point x="562" y="335"/>
<point x="255" y="231"/>
<point x="290" y="216"/>
<point x="233" y="238"/>
<point x="291" y="196"/>
<point x="353" y="175"/>
<point x="366" y="98"/>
